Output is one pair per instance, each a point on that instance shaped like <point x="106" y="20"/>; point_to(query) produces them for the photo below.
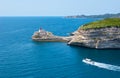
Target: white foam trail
<point x="104" y="65"/>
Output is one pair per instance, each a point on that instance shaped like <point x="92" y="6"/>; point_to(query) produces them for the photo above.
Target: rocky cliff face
<point x="97" y="38"/>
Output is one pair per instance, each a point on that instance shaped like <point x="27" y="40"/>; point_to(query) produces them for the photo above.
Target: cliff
<point x="99" y="34"/>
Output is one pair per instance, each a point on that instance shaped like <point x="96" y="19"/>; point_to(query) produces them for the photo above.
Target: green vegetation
<point x="108" y="22"/>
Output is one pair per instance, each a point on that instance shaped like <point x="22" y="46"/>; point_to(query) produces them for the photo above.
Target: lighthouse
<point x="40" y="30"/>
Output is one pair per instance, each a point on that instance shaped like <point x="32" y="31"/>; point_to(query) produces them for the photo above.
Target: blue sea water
<point x="20" y="57"/>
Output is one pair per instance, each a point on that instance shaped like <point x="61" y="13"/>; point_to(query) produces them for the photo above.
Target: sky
<point x="57" y="7"/>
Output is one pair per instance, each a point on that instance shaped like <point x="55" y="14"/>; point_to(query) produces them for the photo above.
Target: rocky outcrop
<point x="43" y="35"/>
<point x="102" y="38"/>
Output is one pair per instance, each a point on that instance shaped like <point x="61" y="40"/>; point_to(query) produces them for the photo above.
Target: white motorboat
<point x="88" y="61"/>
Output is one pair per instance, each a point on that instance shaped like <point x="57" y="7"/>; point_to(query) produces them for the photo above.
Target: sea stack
<point x="102" y="34"/>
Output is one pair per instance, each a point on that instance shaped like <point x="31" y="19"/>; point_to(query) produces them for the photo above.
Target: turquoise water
<point x="20" y="57"/>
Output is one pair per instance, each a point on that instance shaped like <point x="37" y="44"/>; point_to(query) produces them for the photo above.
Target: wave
<point x="103" y="65"/>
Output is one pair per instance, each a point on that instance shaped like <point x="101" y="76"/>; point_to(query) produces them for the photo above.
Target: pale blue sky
<point x="57" y="7"/>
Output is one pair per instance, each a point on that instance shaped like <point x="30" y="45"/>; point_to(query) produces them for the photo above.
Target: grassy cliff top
<point x="108" y="22"/>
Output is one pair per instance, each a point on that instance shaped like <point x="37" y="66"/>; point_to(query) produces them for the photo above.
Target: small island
<point x="102" y="34"/>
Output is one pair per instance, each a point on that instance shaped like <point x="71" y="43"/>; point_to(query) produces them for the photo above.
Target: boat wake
<point x="102" y="65"/>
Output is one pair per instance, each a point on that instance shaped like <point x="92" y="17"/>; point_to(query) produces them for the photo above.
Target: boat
<point x="88" y="61"/>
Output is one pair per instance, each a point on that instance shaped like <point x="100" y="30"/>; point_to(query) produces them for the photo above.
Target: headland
<point x="102" y="34"/>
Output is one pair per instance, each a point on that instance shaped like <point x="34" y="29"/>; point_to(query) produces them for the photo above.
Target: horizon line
<point x="51" y="15"/>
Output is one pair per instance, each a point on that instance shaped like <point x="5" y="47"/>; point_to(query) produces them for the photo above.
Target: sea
<point x="21" y="57"/>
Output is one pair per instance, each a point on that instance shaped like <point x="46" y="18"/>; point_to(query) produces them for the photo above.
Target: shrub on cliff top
<point x="108" y="22"/>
